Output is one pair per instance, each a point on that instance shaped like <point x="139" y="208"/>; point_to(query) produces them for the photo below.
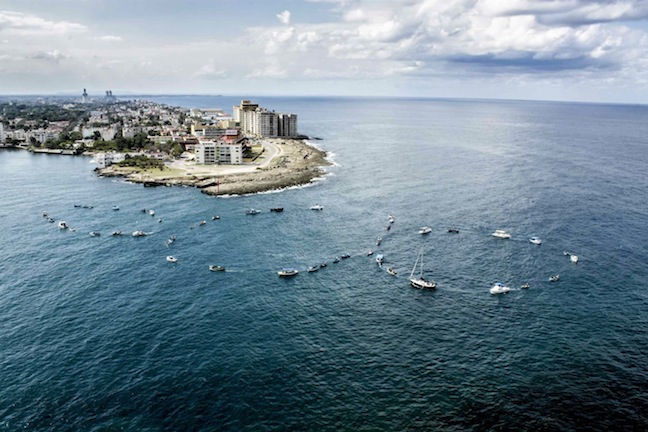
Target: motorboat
<point x="419" y="281"/>
<point x="390" y="218"/>
<point x="323" y="265"/>
<point x="216" y="268"/>
<point x="380" y="259"/>
<point x="453" y="230"/>
<point x="160" y="220"/>
<point x="116" y="233"/>
<point x="252" y="212"/>
<point x="152" y="212"/>
<point x="139" y="233"/>
<point x="391" y="271"/>
<point x="535" y="241"/>
<point x="554" y="278"/>
<point x="499" y="288"/>
<point x="573" y="258"/>
<point x="62" y="225"/>
<point x="215" y="217"/>
<point x="425" y="230"/>
<point x="45" y="215"/>
<point x="345" y="256"/>
<point x="202" y="222"/>
<point x="50" y="220"/>
<point x="287" y="271"/>
<point x="501" y="234"/>
<point x="317" y="207"/>
<point x="95" y="234"/>
<point x="370" y="253"/>
<point x="312" y="269"/>
<point x="171" y="259"/>
<point x="336" y="260"/>
<point x="276" y="209"/>
<point x="525" y="286"/>
<point x="115" y="208"/>
<point x="388" y="227"/>
<point x="378" y="241"/>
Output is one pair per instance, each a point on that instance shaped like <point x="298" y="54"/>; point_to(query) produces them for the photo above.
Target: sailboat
<point x="419" y="281"/>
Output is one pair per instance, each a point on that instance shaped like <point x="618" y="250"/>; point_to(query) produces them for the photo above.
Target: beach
<point x="282" y="163"/>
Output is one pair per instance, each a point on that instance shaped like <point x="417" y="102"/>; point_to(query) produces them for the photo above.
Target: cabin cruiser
<point x="525" y="286"/>
<point x="116" y="233"/>
<point x="288" y="271"/>
<point x="216" y="268"/>
<point x="573" y="258"/>
<point x="554" y="278"/>
<point x="171" y="259"/>
<point x="336" y="260"/>
<point x="380" y="259"/>
<point x="345" y="256"/>
<point x="115" y="208"/>
<point x="425" y="230"/>
<point x="139" y="233"/>
<point x="499" y="288"/>
<point x="202" y="222"/>
<point x="501" y="234"/>
<point x="391" y="271"/>
<point x="252" y="212"/>
<point x="312" y="269"/>
<point x="323" y="265"/>
<point x="317" y="207"/>
<point x="535" y="241"/>
<point x="62" y="225"/>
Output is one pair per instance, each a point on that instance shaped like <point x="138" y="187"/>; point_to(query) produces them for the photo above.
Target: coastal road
<point x="273" y="150"/>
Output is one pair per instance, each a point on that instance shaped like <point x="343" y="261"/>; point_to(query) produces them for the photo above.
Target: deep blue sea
<point x="103" y="334"/>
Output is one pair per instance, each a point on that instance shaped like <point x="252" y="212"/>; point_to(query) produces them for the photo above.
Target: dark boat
<point x="453" y="230"/>
<point x="276" y="209"/>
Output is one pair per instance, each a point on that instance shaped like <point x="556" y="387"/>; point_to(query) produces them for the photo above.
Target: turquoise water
<point x="101" y="333"/>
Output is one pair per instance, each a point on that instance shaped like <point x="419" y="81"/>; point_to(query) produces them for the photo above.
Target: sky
<point x="573" y="50"/>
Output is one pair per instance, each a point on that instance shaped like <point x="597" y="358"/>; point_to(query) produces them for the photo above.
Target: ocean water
<point x="103" y="334"/>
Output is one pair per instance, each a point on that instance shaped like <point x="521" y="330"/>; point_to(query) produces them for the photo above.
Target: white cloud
<point x="110" y="38"/>
<point x="25" y="24"/>
<point x="284" y="17"/>
<point x="54" y="56"/>
<point x="210" y="71"/>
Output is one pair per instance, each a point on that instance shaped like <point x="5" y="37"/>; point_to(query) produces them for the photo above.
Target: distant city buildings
<point x="261" y="122"/>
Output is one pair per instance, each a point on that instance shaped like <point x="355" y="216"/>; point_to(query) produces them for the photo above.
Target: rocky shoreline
<point x="296" y="164"/>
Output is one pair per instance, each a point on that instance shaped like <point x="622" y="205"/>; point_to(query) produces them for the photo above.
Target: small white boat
<point x="95" y="234"/>
<point x="252" y="212"/>
<point x="152" y="212"/>
<point x="535" y="241"/>
<point x="116" y="233"/>
<point x="202" y="222"/>
<point x="420" y="282"/>
<point x="139" y="233"/>
<point x="525" y="286"/>
<point x="554" y="278"/>
<point x="501" y="234"/>
<point x="390" y="218"/>
<point x="425" y="230"/>
<point x="171" y="259"/>
<point x="380" y="259"/>
<point x="336" y="260"/>
<point x="573" y="258"/>
<point x="378" y="241"/>
<point x="288" y="271"/>
<point x="215" y="217"/>
<point x="391" y="271"/>
<point x="345" y="255"/>
<point x="499" y="288"/>
<point x="115" y="208"/>
<point x="324" y="264"/>
<point x="62" y="225"/>
<point x="370" y="253"/>
<point x="312" y="269"/>
<point x="216" y="268"/>
<point x="317" y="207"/>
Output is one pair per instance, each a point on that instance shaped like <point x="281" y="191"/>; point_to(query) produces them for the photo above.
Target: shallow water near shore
<point x="102" y="333"/>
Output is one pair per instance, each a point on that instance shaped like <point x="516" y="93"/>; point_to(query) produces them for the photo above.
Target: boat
<point x="425" y="230"/>
<point x="391" y="271"/>
<point x="573" y="258"/>
<point x="317" y="207"/>
<point x="252" y="212"/>
<point x="171" y="259"/>
<point x="525" y="286"/>
<point x="45" y="215"/>
<point x="345" y="256"/>
<point x="160" y="220"/>
<point x="323" y="265"/>
<point x="566" y="253"/>
<point x="139" y="233"/>
<point x="535" y="241"/>
<point x="379" y="259"/>
<point x="216" y="268"/>
<point x="453" y="230"/>
<point x="287" y="271"/>
<point x="419" y="281"/>
<point x="202" y="222"/>
<point x="115" y="208"/>
<point x="50" y="220"/>
<point x="390" y="218"/>
<point x="501" y="234"/>
<point x="152" y="212"/>
<point x="313" y="268"/>
<point x="388" y="227"/>
<point x="276" y="209"/>
<point x="95" y="233"/>
<point x="370" y="253"/>
<point x="378" y="241"/>
<point x="143" y="210"/>
<point x="554" y="278"/>
<point x="499" y="288"/>
<point x="62" y="225"/>
<point x="215" y="217"/>
<point x="116" y="233"/>
<point x="336" y="260"/>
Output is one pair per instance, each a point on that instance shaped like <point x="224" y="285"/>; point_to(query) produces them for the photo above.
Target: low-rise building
<point x="226" y="151"/>
<point x="106" y="159"/>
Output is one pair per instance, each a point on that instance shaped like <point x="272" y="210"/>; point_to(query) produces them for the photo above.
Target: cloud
<point x="25" y="24"/>
<point x="209" y="71"/>
<point x="110" y="38"/>
<point x="54" y="56"/>
<point x="284" y="17"/>
<point x="271" y="71"/>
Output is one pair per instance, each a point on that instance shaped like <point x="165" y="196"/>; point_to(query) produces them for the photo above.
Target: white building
<point x="210" y="152"/>
<point x="258" y="121"/>
<point x="107" y="134"/>
<point x="105" y="159"/>
<point x="2" y="134"/>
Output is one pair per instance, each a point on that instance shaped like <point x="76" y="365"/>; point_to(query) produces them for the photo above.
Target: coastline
<point x="284" y="163"/>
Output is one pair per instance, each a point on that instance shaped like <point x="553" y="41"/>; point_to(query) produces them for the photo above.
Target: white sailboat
<point x="419" y="281"/>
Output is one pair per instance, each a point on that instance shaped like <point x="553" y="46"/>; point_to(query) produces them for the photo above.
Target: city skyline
<point x="574" y="50"/>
